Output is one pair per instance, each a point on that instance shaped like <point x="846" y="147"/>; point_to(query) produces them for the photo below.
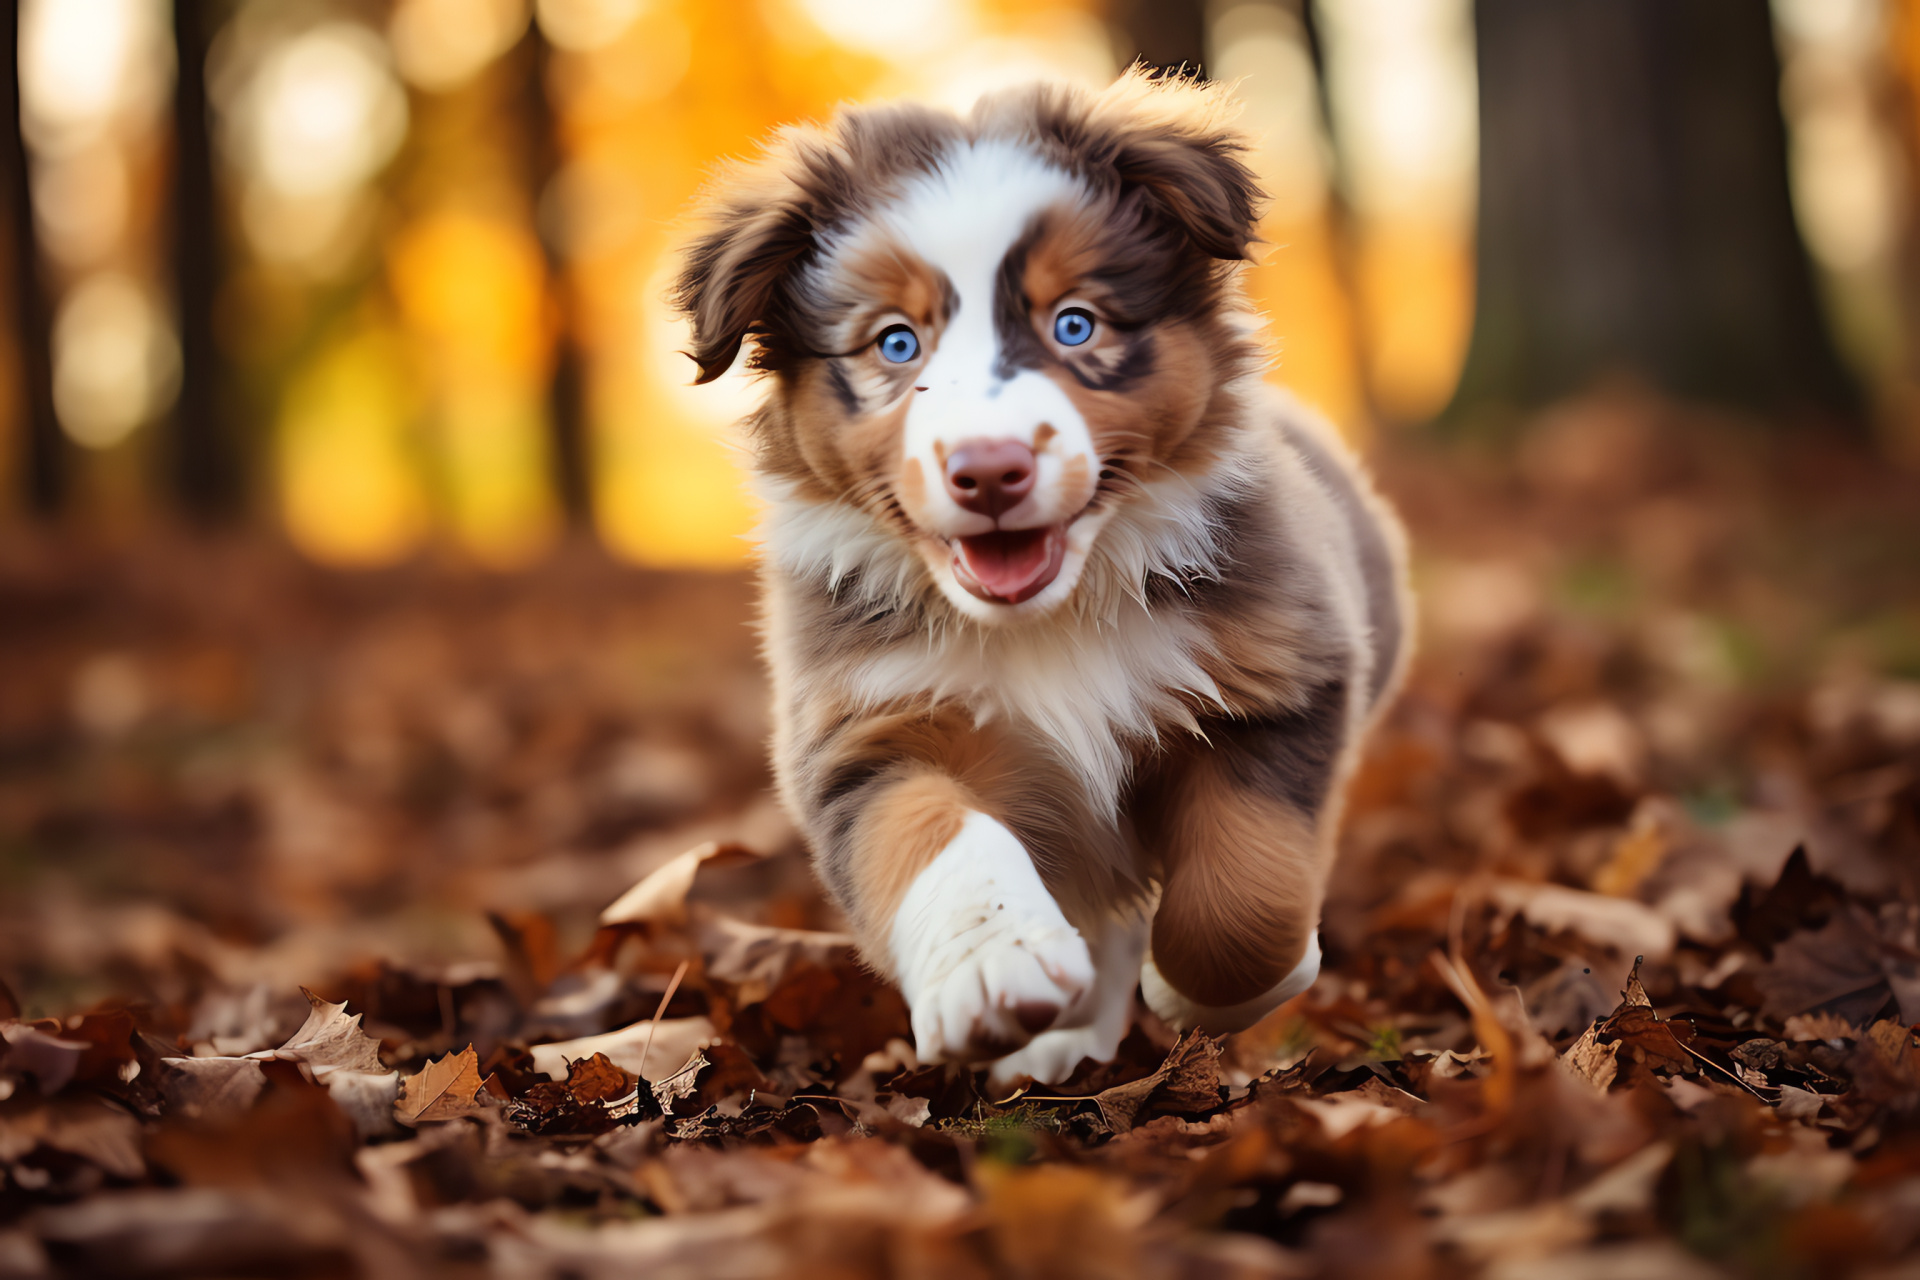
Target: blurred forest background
<point x="387" y="277"/>
<point x="374" y="612"/>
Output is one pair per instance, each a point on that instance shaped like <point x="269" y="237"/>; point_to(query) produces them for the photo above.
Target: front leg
<point x="982" y="951"/>
<point x="942" y="896"/>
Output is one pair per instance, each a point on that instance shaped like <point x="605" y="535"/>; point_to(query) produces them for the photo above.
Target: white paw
<point x="1183" y="1014"/>
<point x="984" y="956"/>
<point x="1052" y="1056"/>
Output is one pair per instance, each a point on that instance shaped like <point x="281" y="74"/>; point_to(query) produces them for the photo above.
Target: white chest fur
<point x="1103" y="672"/>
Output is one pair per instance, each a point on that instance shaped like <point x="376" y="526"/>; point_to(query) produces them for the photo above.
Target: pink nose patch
<point x="1010" y="565"/>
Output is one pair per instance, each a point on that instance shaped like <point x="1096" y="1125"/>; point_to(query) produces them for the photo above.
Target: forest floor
<point x="310" y="969"/>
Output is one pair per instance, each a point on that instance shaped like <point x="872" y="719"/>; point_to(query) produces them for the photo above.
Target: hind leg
<point x="1243" y="828"/>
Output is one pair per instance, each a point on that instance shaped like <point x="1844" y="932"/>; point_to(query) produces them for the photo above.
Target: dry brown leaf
<point x="1188" y="1080"/>
<point x="1836" y="968"/>
<point x="443" y="1090"/>
<point x="1892" y="1066"/>
<point x="94" y="1130"/>
<point x="1820" y="1026"/>
<point x="211" y="1088"/>
<point x="1625" y="926"/>
<point x="1592" y="1061"/>
<point x="48" y="1058"/>
<point x="681" y="1084"/>
<point x="330" y="1039"/>
<point x="674" y="1040"/>
<point x="661" y="898"/>
<point x="1651" y="1041"/>
<point x="597" y="1079"/>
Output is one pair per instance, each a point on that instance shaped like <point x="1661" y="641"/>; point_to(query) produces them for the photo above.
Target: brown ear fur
<point x="729" y="282"/>
<point x="1169" y="137"/>
<point x="768" y="217"/>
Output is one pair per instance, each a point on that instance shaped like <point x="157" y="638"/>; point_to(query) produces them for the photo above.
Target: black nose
<point x="990" y="476"/>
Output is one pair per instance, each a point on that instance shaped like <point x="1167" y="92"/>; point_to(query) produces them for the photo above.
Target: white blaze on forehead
<point x="965" y="215"/>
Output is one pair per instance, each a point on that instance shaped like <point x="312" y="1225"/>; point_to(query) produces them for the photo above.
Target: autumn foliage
<point x="1623" y="963"/>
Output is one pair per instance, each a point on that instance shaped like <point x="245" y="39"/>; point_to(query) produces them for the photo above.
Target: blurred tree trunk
<point x="205" y="470"/>
<point x="566" y="395"/>
<point x="1164" y="34"/>
<point x="1634" y="211"/>
<point x="44" y="449"/>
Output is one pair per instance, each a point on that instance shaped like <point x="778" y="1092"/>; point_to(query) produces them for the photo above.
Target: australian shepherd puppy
<point x="1075" y="626"/>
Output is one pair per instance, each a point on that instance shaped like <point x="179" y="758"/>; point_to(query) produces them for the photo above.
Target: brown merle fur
<point x="1228" y="799"/>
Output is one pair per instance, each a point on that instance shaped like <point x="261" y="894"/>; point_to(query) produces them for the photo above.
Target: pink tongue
<point x="1006" y="563"/>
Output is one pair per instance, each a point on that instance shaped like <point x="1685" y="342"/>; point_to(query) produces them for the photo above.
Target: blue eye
<point x="1072" y="327"/>
<point x="898" y="345"/>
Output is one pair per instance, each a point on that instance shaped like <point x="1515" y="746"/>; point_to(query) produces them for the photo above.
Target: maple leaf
<point x="330" y="1039"/>
<point x="442" y="1090"/>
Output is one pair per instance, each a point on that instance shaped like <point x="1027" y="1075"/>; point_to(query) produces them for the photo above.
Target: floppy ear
<point x="1172" y="138"/>
<point x="762" y="226"/>
<point x="729" y="282"/>
<point x="1198" y="182"/>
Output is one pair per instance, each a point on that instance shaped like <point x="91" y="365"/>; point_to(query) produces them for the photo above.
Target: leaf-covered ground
<point x="430" y="922"/>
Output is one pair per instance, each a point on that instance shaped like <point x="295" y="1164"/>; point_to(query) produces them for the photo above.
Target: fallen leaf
<point x="214" y="1088"/>
<point x="442" y="1090"/>
<point x="1625" y="926"/>
<point x="1836" y="967"/>
<point x="681" y="1084"/>
<point x="1341" y="1113"/>
<point x="93" y="1129"/>
<point x="330" y="1039"/>
<point x="1187" y="1080"/>
<point x="661" y="898"/>
<point x="108" y="1035"/>
<point x="51" y="1060"/>
<point x="1592" y="1061"/>
<point x="1795" y="900"/>
<point x="674" y="1041"/>
<point x="597" y="1079"/>
<point x="1647" y="1039"/>
<point x="1820" y="1026"/>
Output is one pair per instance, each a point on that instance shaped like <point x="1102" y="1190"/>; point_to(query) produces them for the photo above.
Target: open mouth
<point x="1007" y="566"/>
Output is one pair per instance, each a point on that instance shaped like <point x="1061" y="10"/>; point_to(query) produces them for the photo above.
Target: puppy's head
<point x="987" y="332"/>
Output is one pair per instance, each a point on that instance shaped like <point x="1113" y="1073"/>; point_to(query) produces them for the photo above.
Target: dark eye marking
<point x="843" y="388"/>
<point x="1136" y="362"/>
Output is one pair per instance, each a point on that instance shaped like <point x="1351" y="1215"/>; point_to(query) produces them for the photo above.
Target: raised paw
<point x="999" y="995"/>
<point x="985" y="958"/>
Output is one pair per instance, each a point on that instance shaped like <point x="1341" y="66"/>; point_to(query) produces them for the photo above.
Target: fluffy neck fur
<point x="1104" y="672"/>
